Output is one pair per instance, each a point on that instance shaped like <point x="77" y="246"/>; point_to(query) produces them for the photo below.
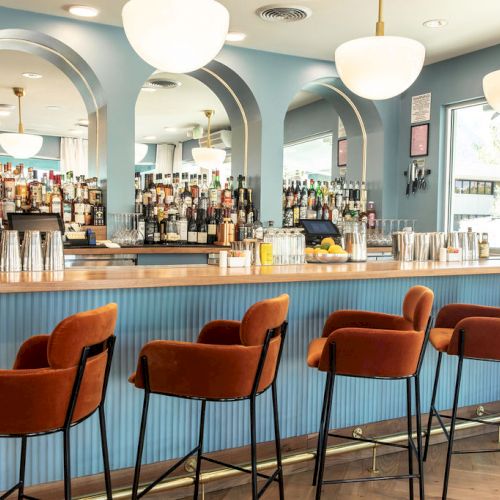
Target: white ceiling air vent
<point x="161" y="84"/>
<point x="220" y="140"/>
<point x="283" y="13"/>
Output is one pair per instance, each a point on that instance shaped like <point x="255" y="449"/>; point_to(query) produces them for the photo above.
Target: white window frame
<point x="449" y="185"/>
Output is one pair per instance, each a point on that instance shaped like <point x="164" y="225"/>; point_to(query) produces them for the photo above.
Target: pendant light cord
<point x="209" y="114"/>
<point x="20" y="127"/>
<point x="380" y="31"/>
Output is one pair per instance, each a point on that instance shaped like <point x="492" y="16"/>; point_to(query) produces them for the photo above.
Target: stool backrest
<point x="417" y="307"/>
<point x="76" y="332"/>
<point x="263" y="316"/>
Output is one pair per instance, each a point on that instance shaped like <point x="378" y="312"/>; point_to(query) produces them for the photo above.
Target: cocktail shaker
<point x="404" y="246"/>
<point x="469" y="242"/>
<point x="421" y="247"/>
<point x="436" y="242"/>
<point x="31" y="251"/>
<point x="10" y="255"/>
<point x="54" y="251"/>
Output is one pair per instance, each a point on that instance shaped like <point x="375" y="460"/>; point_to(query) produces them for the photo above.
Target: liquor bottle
<point x="44" y="206"/>
<point x="9" y="182"/>
<point x="156" y="234"/>
<point x="34" y="208"/>
<point x="303" y="201"/>
<point x="69" y="191"/>
<point x="98" y="215"/>
<point x="311" y="196"/>
<point x="19" y="208"/>
<point x="371" y="215"/>
<point x="212" y="227"/>
<point x="484" y="247"/>
<point x="96" y="196"/>
<point x="169" y="190"/>
<point x="213" y="191"/>
<point x="186" y="196"/>
<point x="195" y="188"/>
<point x="288" y="217"/>
<point x="192" y="228"/>
<point x="22" y="186"/>
<point x="56" y="202"/>
<point x="296" y="212"/>
<point x="150" y="226"/>
<point x="204" y="191"/>
<point x="8" y="205"/>
<point x="163" y="231"/>
<point x="172" y="230"/>
<point x="242" y="215"/>
<point x="182" y="227"/>
<point x="250" y="208"/>
<point x="218" y="186"/>
<point x="78" y="206"/>
<point x="202" y="237"/>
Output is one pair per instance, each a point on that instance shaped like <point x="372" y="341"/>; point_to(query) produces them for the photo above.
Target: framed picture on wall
<point x="419" y="145"/>
<point x="342" y="153"/>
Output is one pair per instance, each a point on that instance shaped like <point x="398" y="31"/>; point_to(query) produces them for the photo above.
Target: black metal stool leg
<point x="421" y="482"/>
<point x="22" y="468"/>
<point x="321" y="425"/>
<point x="324" y="432"/>
<point x="410" y="432"/>
<point x="200" y="450"/>
<point x="278" y="441"/>
<point x="140" y="446"/>
<point x="67" y="464"/>
<point x="105" y="454"/>
<point x="433" y="402"/>
<point x="452" y="428"/>
<point x="253" y="437"/>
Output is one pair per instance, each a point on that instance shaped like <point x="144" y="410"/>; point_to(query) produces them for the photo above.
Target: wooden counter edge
<point x="27" y="284"/>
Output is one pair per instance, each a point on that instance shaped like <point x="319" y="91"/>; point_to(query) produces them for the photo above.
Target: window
<point x="311" y="158"/>
<point x="474" y="169"/>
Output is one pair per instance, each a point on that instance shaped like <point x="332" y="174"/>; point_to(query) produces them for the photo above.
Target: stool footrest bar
<point x="368" y="479"/>
<point x="167" y="473"/>
<point x="478" y="420"/>
<point x="273" y="477"/>
<point x="235" y="467"/>
<point x="465" y="452"/>
<point x="368" y="440"/>
<point x="441" y="423"/>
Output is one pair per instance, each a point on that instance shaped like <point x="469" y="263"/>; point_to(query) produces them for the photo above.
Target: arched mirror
<point x="321" y="160"/>
<point x="183" y="161"/>
<point x="41" y="105"/>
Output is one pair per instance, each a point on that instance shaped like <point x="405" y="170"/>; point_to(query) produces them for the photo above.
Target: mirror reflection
<point x="39" y="104"/>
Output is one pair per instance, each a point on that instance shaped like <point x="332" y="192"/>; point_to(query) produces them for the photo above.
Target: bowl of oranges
<point x="328" y="252"/>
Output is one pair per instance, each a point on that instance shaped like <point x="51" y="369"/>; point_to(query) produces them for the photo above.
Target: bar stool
<point x="469" y="332"/>
<point x="57" y="382"/>
<point x="378" y="346"/>
<point x="231" y="361"/>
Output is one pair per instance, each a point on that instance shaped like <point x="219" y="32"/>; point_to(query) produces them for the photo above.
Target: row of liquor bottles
<point x="337" y="201"/>
<point x="79" y="200"/>
<point x="184" y="208"/>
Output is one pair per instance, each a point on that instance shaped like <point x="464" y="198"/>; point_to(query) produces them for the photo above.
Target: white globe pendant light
<point x="379" y="67"/>
<point x="491" y="88"/>
<point x="209" y="157"/>
<point x="177" y="36"/>
<point x="21" y="146"/>
<point x="141" y="150"/>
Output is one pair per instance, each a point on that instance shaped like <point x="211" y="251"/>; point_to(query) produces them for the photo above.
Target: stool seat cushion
<point x="440" y="338"/>
<point x="36" y="393"/>
<point x="315" y="350"/>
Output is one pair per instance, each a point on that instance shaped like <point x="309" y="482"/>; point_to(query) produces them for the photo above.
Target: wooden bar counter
<point x="204" y="275"/>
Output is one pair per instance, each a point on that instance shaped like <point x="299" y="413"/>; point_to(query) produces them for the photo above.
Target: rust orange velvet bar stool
<point x="469" y="332"/>
<point x="380" y="346"/>
<point x="231" y="361"/>
<point x="58" y="381"/>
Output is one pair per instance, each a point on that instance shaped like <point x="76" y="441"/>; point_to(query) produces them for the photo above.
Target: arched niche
<point x="82" y="77"/>
<point x="364" y="131"/>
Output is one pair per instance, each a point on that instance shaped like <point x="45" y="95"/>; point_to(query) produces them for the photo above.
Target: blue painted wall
<point x="455" y="80"/>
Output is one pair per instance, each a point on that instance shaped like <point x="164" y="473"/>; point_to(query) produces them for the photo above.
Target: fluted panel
<point x="179" y="313"/>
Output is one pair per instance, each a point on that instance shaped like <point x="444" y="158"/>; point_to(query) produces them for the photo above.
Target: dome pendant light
<point x="491" y="88"/>
<point x="176" y="36"/>
<point x="209" y="157"/>
<point x="379" y="67"/>
<point x="21" y="146"/>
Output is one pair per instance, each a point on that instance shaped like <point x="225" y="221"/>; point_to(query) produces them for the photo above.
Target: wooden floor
<point x="473" y="477"/>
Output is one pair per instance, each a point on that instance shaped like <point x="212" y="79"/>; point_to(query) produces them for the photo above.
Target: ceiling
<point x="472" y="25"/>
<point x="54" y="89"/>
<point x="181" y="108"/>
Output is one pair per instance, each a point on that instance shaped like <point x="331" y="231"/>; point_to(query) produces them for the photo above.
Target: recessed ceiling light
<point x="435" y="23"/>
<point x="149" y="137"/>
<point x="4" y="112"/>
<point x="83" y="11"/>
<point x="53" y="108"/>
<point x="83" y="122"/>
<point x="32" y="76"/>
<point x="171" y="129"/>
<point x="235" y="36"/>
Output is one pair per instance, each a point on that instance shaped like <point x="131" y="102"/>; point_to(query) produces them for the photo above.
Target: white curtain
<point x="164" y="158"/>
<point x="75" y="156"/>
<point x="178" y="157"/>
